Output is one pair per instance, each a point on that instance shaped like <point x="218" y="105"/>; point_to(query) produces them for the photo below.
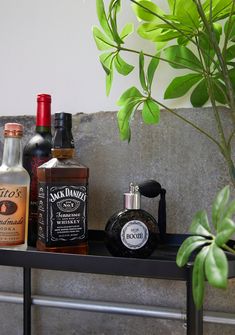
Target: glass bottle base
<point x="75" y="249"/>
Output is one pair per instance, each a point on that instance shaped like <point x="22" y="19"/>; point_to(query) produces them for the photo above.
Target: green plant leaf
<point x="200" y="224"/>
<point x="216" y="267"/>
<point x="121" y="66"/>
<point x="148" y="30"/>
<point x="181" y="85"/>
<point x="172" y="4"/>
<point x="132" y="92"/>
<point x="124" y="116"/>
<point x="230" y="53"/>
<point x="182" y="40"/>
<point x="160" y="36"/>
<point x="106" y="61"/>
<point x="141" y="72"/>
<point x="231" y="74"/>
<point x="157" y="32"/>
<point x="113" y="22"/>
<point x="150" y="112"/>
<point x="114" y="4"/>
<point x="100" y="10"/>
<point x="219" y="205"/>
<point x="146" y="9"/>
<point x="153" y="64"/>
<point x="102" y="41"/>
<point x="225" y="230"/>
<point x="199" y="95"/>
<point x="109" y="81"/>
<point x="229" y="211"/>
<point x="186" y="13"/>
<point x="127" y="30"/>
<point x="180" y="57"/>
<point x="229" y="28"/>
<point x="220" y="9"/>
<point x="206" y="48"/>
<point x="198" y="279"/>
<point x="187" y="247"/>
<point x="220" y="91"/>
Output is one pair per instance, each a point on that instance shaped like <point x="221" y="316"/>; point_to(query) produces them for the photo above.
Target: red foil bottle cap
<point x="43" y="110"/>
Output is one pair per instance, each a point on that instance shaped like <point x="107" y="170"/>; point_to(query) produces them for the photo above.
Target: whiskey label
<point x="62" y="214"/>
<point x="13" y="209"/>
<point x="134" y="234"/>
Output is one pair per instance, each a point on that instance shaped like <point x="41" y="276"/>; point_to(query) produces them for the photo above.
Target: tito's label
<point x="134" y="234"/>
<point x="62" y="214"/>
<point x="13" y="209"/>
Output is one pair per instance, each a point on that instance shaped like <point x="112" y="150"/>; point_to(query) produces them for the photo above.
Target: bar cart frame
<point x="160" y="266"/>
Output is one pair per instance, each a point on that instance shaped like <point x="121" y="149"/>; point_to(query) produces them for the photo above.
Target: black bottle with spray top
<point x="132" y="232"/>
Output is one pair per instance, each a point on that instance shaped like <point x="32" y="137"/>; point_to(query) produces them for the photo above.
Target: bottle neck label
<point x="134" y="234"/>
<point x="62" y="214"/>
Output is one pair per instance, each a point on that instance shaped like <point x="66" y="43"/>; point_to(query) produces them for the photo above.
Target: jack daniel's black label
<point x="62" y="214"/>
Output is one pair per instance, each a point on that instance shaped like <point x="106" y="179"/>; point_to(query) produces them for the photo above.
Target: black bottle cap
<point x="63" y="120"/>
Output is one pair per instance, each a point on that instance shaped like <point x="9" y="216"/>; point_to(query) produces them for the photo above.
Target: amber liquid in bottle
<point x="62" y="195"/>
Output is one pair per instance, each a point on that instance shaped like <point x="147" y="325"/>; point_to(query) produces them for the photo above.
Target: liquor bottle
<point x="14" y="191"/>
<point x="62" y="195"/>
<point x="131" y="232"/>
<point x="36" y="152"/>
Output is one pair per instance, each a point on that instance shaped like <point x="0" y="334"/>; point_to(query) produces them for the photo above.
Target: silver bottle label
<point x="134" y="234"/>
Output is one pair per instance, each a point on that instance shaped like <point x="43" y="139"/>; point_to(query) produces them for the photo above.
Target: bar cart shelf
<point x="161" y="265"/>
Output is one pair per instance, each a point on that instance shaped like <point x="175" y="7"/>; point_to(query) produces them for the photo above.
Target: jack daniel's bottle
<point x="62" y="195"/>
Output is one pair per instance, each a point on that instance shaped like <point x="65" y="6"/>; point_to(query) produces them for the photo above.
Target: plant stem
<point x="189" y="123"/>
<point x="226" y="247"/>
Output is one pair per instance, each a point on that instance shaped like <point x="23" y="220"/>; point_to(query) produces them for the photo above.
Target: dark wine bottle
<point x="36" y="152"/>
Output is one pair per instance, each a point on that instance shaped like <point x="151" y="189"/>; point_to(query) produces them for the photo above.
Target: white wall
<point x="47" y="47"/>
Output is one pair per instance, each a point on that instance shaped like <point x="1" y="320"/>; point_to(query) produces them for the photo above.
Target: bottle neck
<point x="43" y="119"/>
<point x="63" y="143"/>
<point x="63" y="153"/>
<point x="43" y="130"/>
<point x="12" y="152"/>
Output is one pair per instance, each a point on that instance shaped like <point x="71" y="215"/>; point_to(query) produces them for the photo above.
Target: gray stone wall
<point x="186" y="164"/>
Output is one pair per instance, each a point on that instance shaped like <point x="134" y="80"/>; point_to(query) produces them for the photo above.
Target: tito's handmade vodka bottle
<point x="14" y="191"/>
<point x="62" y="195"/>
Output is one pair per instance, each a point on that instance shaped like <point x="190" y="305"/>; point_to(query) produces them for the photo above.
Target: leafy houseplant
<point x="204" y="47"/>
<point x="210" y="262"/>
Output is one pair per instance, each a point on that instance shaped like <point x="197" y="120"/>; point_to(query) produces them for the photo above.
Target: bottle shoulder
<point x="120" y="218"/>
<point x="14" y="175"/>
<point x="38" y="145"/>
<point x="69" y="163"/>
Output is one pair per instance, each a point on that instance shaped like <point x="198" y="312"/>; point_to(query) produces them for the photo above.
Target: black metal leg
<point x="194" y="316"/>
<point x="27" y="301"/>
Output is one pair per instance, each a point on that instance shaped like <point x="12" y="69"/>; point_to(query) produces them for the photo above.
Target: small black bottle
<point x="132" y="232"/>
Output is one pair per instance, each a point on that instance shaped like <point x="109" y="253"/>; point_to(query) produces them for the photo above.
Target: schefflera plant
<point x="208" y="245"/>
<point x="196" y="36"/>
